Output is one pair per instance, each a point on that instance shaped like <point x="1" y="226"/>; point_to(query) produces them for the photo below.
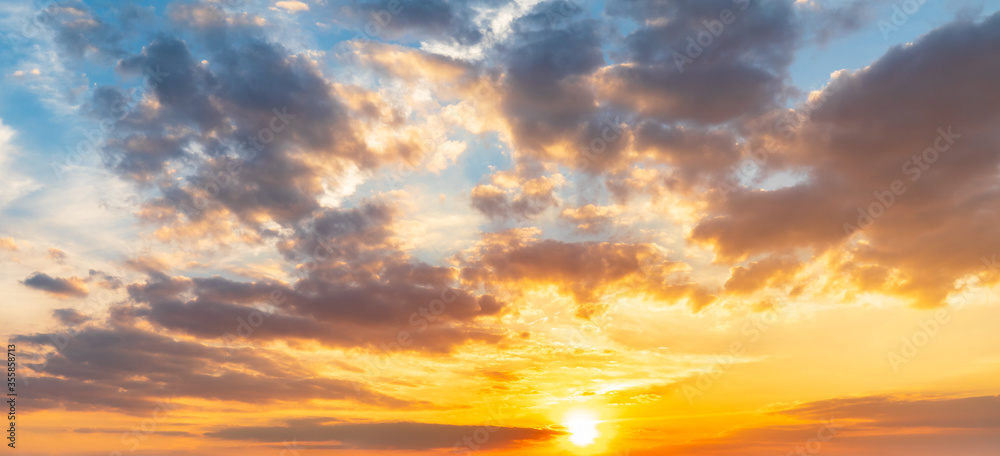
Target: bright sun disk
<point x="582" y="428"/>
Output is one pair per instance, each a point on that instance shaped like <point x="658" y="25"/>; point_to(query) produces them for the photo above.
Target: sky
<point x="501" y="227"/>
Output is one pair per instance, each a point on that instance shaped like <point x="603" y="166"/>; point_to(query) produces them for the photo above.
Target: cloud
<point x="129" y="369"/>
<point x="584" y="270"/>
<point x="292" y="261"/>
<point x="8" y="243"/>
<point x="737" y="70"/>
<point x="979" y="412"/>
<point x="126" y="431"/>
<point x="531" y="198"/>
<point x="442" y="20"/>
<point x="869" y="132"/>
<point x="73" y="287"/>
<point x="546" y="98"/>
<point x="80" y="33"/>
<point x="501" y="376"/>
<point x="16" y="184"/>
<point x="829" y="22"/>
<point x="70" y="317"/>
<point x="590" y="218"/>
<point x="864" y="426"/>
<point x="292" y="6"/>
<point x="104" y="279"/>
<point x="358" y="290"/>
<point x="770" y="272"/>
<point x="57" y="255"/>
<point x="390" y="436"/>
<point x="268" y="126"/>
<point x="697" y="157"/>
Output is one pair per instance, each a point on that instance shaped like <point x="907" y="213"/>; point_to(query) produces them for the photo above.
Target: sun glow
<point x="582" y="428"/>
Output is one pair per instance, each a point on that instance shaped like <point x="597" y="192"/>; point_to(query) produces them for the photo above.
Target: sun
<point x="582" y="427"/>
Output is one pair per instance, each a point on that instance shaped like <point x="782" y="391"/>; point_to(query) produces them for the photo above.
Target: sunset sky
<point x="502" y="227"/>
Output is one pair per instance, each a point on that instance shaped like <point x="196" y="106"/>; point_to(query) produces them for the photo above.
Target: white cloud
<point x="495" y="25"/>
<point x="292" y="6"/>
<point x="15" y="185"/>
<point x="445" y="155"/>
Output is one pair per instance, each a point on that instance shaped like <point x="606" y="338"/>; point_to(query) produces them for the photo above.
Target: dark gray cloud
<point x="369" y="316"/>
<point x="736" y="70"/>
<point x="546" y="97"/>
<point x="357" y="289"/>
<point x="564" y="100"/>
<point x="104" y="279"/>
<point x="58" y="286"/>
<point x="79" y="32"/>
<point x="443" y="20"/>
<point x="829" y="23"/>
<point x="698" y="157"/>
<point x="254" y="132"/>
<point x="70" y="317"/>
<point x="491" y="202"/>
<point x="131" y="369"/>
<point x="183" y="90"/>
<point x="525" y="204"/>
<point x="937" y="99"/>
<point x="759" y="32"/>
